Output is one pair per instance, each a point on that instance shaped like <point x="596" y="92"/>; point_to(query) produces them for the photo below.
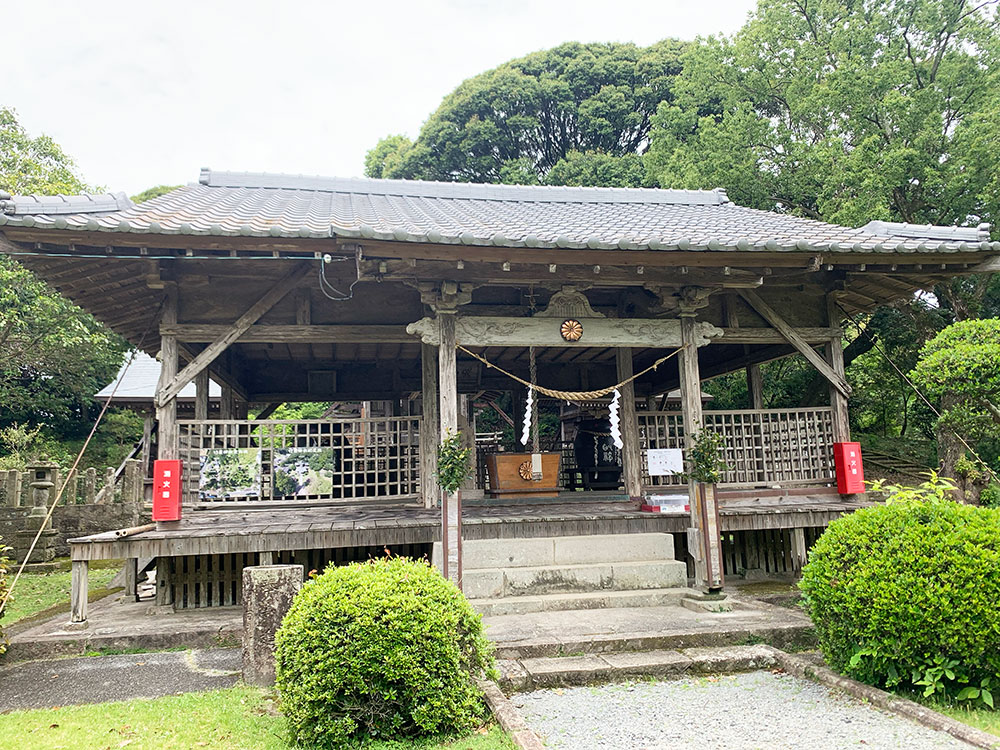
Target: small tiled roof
<point x="270" y="205"/>
<point x="138" y="383"/>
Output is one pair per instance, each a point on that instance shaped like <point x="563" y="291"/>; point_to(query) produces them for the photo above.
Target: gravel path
<point x="732" y="712"/>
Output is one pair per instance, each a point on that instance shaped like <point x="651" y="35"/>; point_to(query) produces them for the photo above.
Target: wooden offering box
<point x="507" y="472"/>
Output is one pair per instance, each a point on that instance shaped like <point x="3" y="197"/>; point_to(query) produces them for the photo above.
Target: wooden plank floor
<point x="327" y="527"/>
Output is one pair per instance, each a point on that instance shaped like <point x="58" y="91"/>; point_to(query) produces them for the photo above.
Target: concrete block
<point x="267" y="594"/>
<point x="648" y="662"/>
<point x="482" y="584"/>
<point x="601" y="548"/>
<point x="501" y="553"/>
<point x="550" y="580"/>
<point x="731" y="659"/>
<point x="566" y="670"/>
<point x="649" y="575"/>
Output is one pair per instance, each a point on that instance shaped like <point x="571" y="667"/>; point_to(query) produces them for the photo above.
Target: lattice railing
<point x="762" y="447"/>
<point x="294" y="460"/>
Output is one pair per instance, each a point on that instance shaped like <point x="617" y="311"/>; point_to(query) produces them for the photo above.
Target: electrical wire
<point x="324" y="283"/>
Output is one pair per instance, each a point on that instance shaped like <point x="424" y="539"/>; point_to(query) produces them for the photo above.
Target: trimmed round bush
<point x="908" y="594"/>
<point x="387" y="648"/>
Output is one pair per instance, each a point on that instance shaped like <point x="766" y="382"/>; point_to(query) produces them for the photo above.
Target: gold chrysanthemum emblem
<point x="571" y="330"/>
<point x="525" y="471"/>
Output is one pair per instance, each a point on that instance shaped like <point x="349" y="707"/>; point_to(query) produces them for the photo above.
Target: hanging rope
<point x="79" y="456"/>
<point x="572" y="395"/>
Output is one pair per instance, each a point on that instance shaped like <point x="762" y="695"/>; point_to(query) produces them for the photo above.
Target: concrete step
<point x="533" y="673"/>
<point x="492" y="554"/>
<point x="551" y="579"/>
<point x="520" y="605"/>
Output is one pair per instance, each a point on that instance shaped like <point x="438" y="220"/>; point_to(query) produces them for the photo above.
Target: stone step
<point x="519" y="605"/>
<point x="492" y="554"/>
<point x="551" y="579"/>
<point x="533" y="673"/>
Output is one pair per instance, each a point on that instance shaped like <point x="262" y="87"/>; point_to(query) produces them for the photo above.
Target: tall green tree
<point x="34" y="164"/>
<point x="960" y="368"/>
<point x="841" y="110"/>
<point x="53" y="355"/>
<point x="515" y="123"/>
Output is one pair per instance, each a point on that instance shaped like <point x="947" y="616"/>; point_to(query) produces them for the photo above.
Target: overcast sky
<point x="146" y="93"/>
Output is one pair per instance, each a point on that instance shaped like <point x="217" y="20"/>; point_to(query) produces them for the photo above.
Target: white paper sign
<point x="665" y="461"/>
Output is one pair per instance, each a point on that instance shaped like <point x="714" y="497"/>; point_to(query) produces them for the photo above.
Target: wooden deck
<point x="330" y="527"/>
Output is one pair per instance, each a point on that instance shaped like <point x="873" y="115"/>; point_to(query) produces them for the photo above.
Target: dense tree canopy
<point x="516" y="123"/>
<point x="842" y="110"/>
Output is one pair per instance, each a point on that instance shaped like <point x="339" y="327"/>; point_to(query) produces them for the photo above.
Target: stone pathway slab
<point x="97" y="679"/>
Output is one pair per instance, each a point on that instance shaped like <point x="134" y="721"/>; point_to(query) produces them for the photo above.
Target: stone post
<point x="267" y="594"/>
<point x="41" y="481"/>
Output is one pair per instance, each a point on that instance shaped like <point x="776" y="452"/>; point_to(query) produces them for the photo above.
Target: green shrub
<point x="990" y="496"/>
<point x="906" y="594"/>
<point x="387" y="648"/>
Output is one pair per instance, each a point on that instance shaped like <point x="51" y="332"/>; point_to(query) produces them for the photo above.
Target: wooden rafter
<point x="242" y="324"/>
<point x="792" y="336"/>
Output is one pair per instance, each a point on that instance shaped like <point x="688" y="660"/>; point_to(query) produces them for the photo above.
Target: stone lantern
<point x="41" y="481"/>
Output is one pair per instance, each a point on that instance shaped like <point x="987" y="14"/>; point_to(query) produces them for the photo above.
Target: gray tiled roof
<point x="270" y="205"/>
<point x="138" y="383"/>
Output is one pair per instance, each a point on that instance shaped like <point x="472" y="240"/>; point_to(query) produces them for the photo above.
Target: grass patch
<point x="980" y="718"/>
<point x="238" y="718"/>
<point x="39" y="592"/>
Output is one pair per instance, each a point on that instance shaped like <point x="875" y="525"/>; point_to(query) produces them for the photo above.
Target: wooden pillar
<point x="699" y="543"/>
<point x="227" y="404"/>
<point x="467" y="426"/>
<point x="166" y="415"/>
<point x="838" y="401"/>
<point x="430" y="425"/>
<point x="78" y="592"/>
<point x="451" y="503"/>
<point x="131" y="576"/>
<point x="201" y="386"/>
<point x="631" y="454"/>
<point x="755" y="384"/>
<point x="835" y="356"/>
<point x="798" y="548"/>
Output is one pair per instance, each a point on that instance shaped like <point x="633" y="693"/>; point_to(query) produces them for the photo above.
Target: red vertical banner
<point x="166" y="490"/>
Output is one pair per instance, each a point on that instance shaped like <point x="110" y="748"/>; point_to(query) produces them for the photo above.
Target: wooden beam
<point x="793" y="338"/>
<point x="989" y="266"/>
<point x="739" y="335"/>
<point x="242" y="324"/>
<point x="299" y="334"/>
<point x="218" y="370"/>
<point x="268" y="410"/>
<point x="308" y="247"/>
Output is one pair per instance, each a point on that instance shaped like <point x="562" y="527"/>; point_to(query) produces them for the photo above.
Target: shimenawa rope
<point x="571" y="395"/>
